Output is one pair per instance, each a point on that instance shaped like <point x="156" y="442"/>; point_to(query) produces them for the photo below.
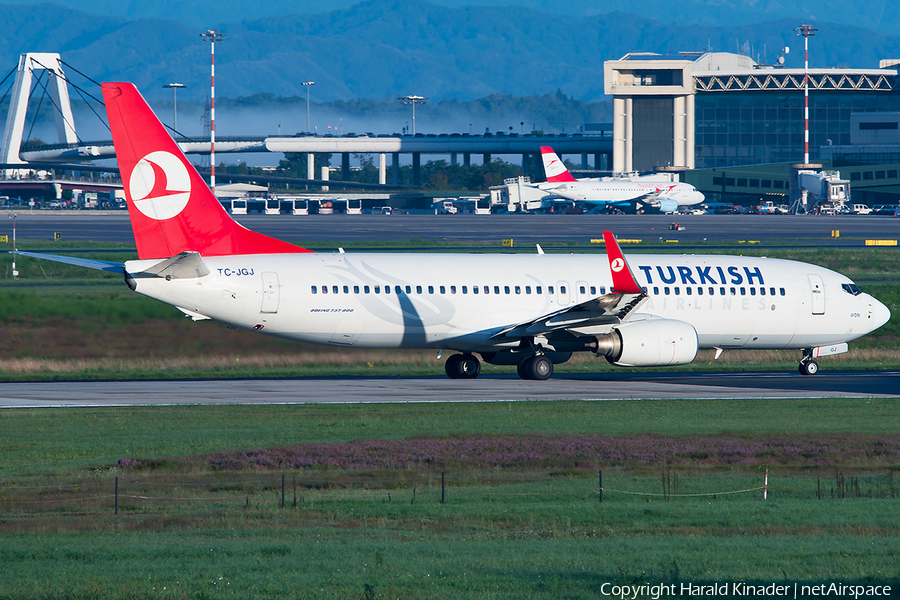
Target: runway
<point x="524" y="230"/>
<point x="491" y="388"/>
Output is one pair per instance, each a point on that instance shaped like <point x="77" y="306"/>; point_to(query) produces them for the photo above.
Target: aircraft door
<point x="270" y="296"/>
<point x="562" y="293"/>
<point x="817" y="289"/>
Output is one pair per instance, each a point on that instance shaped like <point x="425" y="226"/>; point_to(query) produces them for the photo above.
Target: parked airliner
<point x="532" y="311"/>
<point x="666" y="197"/>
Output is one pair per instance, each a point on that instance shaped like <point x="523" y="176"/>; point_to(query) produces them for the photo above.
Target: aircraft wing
<point x="97" y="265"/>
<point x="615" y="307"/>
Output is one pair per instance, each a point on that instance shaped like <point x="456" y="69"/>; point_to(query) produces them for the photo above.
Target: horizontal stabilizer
<point x="187" y="265"/>
<point x="97" y="265"/>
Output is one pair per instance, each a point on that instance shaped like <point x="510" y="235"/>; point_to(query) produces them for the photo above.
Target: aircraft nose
<point x="881" y="314"/>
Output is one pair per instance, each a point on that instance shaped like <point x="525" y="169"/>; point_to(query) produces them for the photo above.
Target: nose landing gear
<point x="808" y="365"/>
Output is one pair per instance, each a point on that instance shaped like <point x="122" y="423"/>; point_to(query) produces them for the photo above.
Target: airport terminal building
<point x="717" y="109"/>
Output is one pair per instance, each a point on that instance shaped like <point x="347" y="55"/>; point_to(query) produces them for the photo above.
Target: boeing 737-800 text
<point x="526" y="310"/>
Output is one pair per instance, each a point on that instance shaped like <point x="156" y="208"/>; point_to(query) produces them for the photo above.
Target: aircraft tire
<point x="540" y="368"/>
<point x="468" y="366"/>
<point x="522" y="368"/>
<point x="809" y="367"/>
<point x="452" y="366"/>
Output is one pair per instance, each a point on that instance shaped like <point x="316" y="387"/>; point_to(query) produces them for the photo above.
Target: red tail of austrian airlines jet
<point x="172" y="209"/>
<point x="525" y="310"/>
<point x="554" y="168"/>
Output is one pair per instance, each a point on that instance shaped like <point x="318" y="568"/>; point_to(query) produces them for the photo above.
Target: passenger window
<point x="324" y="289"/>
<point x="314" y="289"/>
<point x="474" y="289"/>
<point x="581" y="290"/>
<point x="593" y="290"/>
<point x="602" y="289"/>
<point x="465" y="290"/>
<point x="365" y="289"/>
<point x="743" y="292"/>
<point x="496" y="289"/>
<point x="721" y="291"/>
<point x="550" y="289"/>
<point x="387" y="289"/>
<point x="771" y="291"/>
<point x="452" y="289"/>
<point x="518" y="290"/>
<point x="430" y="289"/>
<point x="397" y="289"/>
<point x="656" y="291"/>
<point x="781" y="291"/>
<point x="418" y="289"/>
<point x="408" y="290"/>
<point x="666" y="290"/>
<point x="527" y="289"/>
<point x="506" y="289"/>
<point x="487" y="290"/>
<point x="377" y="289"/>
<point x="443" y="290"/>
<point x="562" y="289"/>
<point x="346" y="289"/>
<point x="677" y="291"/>
<point x="355" y="289"/>
<point x="752" y="291"/>
<point x="733" y="292"/>
<point x="699" y="291"/>
<point x="688" y="291"/>
<point x="538" y="291"/>
<point x="334" y="289"/>
<point x="762" y="291"/>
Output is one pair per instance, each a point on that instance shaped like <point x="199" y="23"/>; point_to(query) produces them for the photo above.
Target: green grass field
<point x="187" y="528"/>
<point x="191" y="532"/>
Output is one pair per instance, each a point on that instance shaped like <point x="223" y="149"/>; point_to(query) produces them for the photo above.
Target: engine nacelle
<point x="650" y="343"/>
<point x="667" y="205"/>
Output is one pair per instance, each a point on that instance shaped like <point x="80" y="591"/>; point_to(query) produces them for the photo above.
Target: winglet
<point x="623" y="279"/>
<point x="554" y="168"/>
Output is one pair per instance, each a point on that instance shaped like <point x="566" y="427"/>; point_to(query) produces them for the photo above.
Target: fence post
<point x="282" y="490"/>
<point x="443" y="488"/>
<point x="600" y="483"/>
<point x="117" y="494"/>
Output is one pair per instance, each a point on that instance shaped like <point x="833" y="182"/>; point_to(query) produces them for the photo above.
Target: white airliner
<point x="666" y="197"/>
<point x="526" y="310"/>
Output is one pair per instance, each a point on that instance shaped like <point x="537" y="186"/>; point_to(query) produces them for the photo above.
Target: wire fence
<point x="138" y="493"/>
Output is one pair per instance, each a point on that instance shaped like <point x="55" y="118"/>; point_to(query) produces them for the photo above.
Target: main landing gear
<point x="532" y="366"/>
<point x="462" y="366"/>
<point x="535" y="366"/>
<point x="808" y="365"/>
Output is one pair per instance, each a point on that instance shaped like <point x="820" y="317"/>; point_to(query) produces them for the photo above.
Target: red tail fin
<point x="554" y="168"/>
<point x="172" y="209"/>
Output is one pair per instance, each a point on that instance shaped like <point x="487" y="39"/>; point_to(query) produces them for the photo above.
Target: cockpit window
<point x="851" y="288"/>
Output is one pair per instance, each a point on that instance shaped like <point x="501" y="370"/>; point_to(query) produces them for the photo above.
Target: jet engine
<point x="667" y="205"/>
<point x="650" y="343"/>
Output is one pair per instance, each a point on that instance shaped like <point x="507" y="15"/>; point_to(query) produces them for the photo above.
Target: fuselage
<point x="682" y="194"/>
<point x="459" y="301"/>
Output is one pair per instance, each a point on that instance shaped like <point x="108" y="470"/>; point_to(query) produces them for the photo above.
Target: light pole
<point x="212" y="36"/>
<point x="807" y="31"/>
<point x="413" y="100"/>
<point x="308" y="85"/>
<point x="174" y="87"/>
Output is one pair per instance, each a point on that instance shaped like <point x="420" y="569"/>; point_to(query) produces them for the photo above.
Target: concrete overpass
<point x="73" y="150"/>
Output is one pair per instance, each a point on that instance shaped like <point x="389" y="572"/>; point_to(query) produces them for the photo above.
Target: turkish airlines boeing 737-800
<point x="526" y="310"/>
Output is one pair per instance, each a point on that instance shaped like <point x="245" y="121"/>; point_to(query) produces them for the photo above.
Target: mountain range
<point x="384" y="48"/>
